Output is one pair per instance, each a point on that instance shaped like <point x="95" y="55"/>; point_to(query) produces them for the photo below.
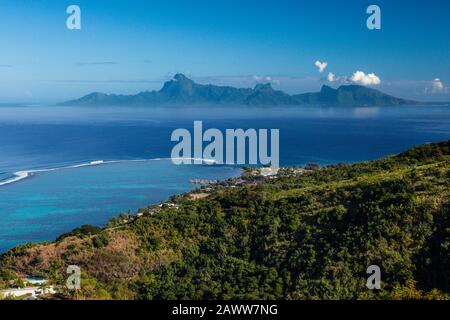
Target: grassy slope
<point x="306" y="236"/>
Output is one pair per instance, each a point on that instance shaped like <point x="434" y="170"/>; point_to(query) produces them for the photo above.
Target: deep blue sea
<point x="51" y="202"/>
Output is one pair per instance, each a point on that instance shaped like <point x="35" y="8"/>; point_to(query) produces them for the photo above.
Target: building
<point x="269" y="171"/>
<point x="33" y="292"/>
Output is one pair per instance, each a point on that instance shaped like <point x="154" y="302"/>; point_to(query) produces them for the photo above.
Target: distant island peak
<point x="181" y="90"/>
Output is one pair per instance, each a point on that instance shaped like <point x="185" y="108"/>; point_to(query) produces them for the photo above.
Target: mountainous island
<point x="182" y="91"/>
<point x="305" y="233"/>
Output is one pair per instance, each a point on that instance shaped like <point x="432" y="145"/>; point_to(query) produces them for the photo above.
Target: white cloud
<point x="365" y="79"/>
<point x="321" y="65"/>
<point x="437" y="86"/>
<point x="331" y="77"/>
<point x="265" y="79"/>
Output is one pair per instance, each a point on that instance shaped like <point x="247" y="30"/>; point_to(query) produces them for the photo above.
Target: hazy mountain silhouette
<point x="182" y="90"/>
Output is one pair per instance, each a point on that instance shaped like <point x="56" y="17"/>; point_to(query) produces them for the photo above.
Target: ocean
<point x="62" y="167"/>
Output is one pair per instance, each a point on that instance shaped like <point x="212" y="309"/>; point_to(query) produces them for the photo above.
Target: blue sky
<point x="130" y="46"/>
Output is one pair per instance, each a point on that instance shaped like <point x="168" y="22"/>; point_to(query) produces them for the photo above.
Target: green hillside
<point x="300" y="235"/>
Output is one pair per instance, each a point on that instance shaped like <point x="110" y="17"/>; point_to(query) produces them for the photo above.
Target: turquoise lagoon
<point x="49" y="203"/>
<point x="46" y="204"/>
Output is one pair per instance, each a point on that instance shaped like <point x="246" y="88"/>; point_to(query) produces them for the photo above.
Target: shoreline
<point x="214" y="205"/>
<point x="157" y="191"/>
<point x="22" y="175"/>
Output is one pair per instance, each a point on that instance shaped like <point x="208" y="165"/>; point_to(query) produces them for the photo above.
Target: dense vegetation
<point x="297" y="236"/>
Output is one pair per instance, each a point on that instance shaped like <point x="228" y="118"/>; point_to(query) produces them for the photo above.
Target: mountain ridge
<point x="182" y="90"/>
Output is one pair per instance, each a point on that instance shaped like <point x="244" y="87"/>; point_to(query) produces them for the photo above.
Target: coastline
<point x="210" y="223"/>
<point x="197" y="192"/>
<point x="57" y="200"/>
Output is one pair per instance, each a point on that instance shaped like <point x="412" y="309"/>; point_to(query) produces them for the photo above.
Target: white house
<point x="29" y="291"/>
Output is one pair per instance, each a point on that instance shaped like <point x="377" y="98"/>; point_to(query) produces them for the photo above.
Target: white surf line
<point x="212" y="161"/>
<point x="21" y="175"/>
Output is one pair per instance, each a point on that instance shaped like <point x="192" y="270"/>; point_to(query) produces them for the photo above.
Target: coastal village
<point x="250" y="177"/>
